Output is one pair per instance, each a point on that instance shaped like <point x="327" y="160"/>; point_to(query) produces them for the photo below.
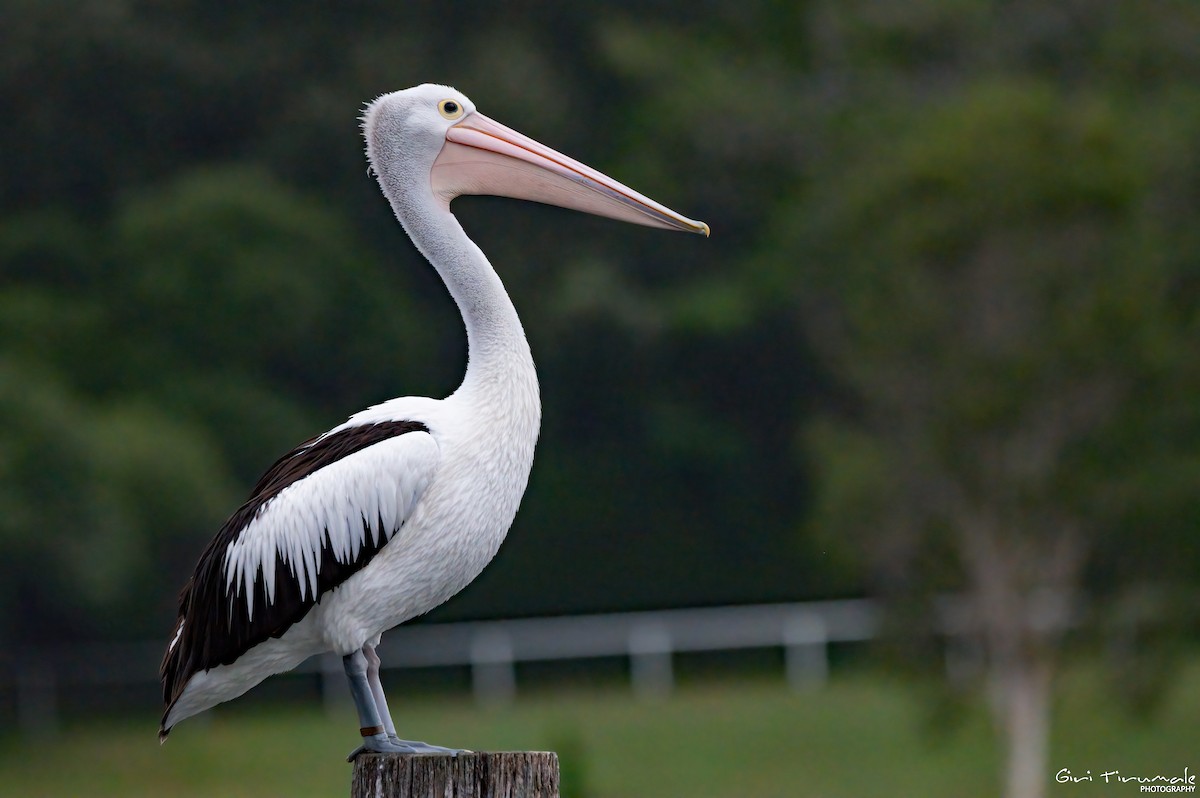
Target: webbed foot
<point x="425" y="748"/>
<point x="391" y="744"/>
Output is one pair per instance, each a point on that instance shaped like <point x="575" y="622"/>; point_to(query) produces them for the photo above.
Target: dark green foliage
<point x="987" y="211"/>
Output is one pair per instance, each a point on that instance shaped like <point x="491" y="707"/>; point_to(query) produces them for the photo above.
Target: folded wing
<point x="314" y="519"/>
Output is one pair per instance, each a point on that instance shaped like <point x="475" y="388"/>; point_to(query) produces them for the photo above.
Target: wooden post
<point x="515" y="774"/>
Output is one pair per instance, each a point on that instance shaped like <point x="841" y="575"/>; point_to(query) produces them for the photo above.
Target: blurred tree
<point x="151" y="367"/>
<point x="93" y="497"/>
<point x="980" y="212"/>
<point x="986" y="283"/>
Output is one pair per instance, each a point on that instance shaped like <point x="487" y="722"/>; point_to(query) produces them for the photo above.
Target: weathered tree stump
<point x="514" y="774"/>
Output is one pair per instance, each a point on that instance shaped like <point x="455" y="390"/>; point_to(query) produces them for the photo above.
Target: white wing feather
<point x="385" y="479"/>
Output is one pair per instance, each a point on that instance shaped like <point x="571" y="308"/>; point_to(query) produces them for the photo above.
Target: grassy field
<point x="863" y="735"/>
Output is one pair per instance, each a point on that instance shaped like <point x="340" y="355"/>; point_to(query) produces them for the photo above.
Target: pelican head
<point x="435" y="130"/>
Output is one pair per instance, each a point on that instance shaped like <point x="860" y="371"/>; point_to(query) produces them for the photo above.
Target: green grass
<point x="863" y="735"/>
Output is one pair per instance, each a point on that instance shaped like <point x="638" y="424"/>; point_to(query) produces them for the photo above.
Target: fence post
<point x="964" y="659"/>
<point x="335" y="696"/>
<point x="36" y="696"/>
<point x="517" y="774"/>
<point x="650" y="660"/>
<point x="493" y="675"/>
<point x="806" y="650"/>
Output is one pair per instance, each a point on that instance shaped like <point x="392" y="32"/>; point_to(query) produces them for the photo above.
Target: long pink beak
<point x="482" y="156"/>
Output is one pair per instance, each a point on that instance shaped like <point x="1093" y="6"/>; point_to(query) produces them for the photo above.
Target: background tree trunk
<point x="1022" y="705"/>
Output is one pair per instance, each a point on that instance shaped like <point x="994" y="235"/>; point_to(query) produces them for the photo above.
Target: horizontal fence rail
<point x="648" y="639"/>
<point x="33" y="679"/>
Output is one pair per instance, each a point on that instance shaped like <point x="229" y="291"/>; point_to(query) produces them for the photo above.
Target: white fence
<point x="35" y="679"/>
<point x="648" y="639"/>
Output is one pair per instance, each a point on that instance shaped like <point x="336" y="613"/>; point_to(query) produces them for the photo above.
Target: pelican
<point x="388" y="515"/>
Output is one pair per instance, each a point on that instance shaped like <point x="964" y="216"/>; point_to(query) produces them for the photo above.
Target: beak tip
<point x="702" y="228"/>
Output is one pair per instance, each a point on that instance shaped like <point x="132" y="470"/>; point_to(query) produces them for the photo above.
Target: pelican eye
<point x="451" y="109"/>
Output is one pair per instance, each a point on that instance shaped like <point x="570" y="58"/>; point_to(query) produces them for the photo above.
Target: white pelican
<point x="390" y="514"/>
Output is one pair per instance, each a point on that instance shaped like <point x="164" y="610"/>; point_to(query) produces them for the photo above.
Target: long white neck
<point x="500" y="374"/>
<point x="498" y="356"/>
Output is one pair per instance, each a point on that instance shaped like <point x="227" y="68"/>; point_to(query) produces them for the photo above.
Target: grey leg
<point x="377" y="690"/>
<point x="372" y="711"/>
<point x="375" y="737"/>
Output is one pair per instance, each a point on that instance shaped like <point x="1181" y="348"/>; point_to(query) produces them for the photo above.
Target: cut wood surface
<point x="508" y="774"/>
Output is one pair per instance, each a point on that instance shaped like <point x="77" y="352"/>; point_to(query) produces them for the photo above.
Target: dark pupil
<point x="451" y="108"/>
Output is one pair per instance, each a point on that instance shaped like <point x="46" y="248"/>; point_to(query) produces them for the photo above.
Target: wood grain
<point x="509" y="774"/>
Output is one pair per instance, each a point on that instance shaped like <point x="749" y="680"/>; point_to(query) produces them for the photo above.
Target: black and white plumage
<point x="391" y="513"/>
<point x="236" y="600"/>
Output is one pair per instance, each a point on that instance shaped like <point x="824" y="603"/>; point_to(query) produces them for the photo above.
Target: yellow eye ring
<point x="451" y="109"/>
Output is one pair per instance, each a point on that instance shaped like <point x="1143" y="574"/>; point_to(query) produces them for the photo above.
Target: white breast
<point x="485" y="456"/>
